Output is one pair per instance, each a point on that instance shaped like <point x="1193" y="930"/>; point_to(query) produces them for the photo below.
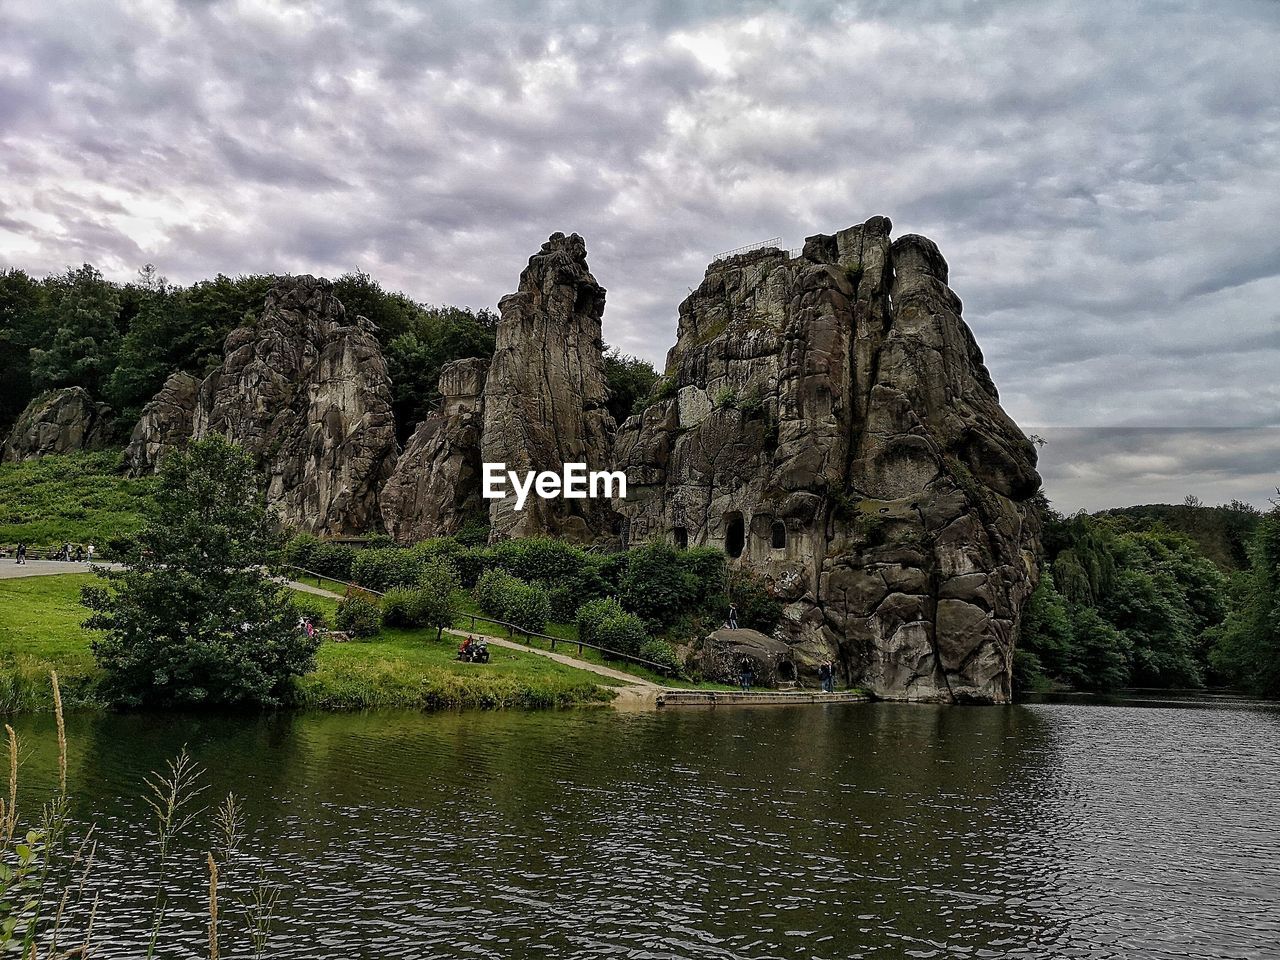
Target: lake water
<point x="1138" y="828"/>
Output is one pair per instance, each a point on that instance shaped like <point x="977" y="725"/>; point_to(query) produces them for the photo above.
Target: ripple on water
<point x="1048" y="830"/>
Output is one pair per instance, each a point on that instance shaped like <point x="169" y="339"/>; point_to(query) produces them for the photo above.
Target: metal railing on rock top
<point x="514" y="630"/>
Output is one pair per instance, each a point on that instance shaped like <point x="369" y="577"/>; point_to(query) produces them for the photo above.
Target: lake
<point x="1146" y="826"/>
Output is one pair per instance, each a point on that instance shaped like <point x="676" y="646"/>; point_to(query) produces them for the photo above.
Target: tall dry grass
<point x="50" y="875"/>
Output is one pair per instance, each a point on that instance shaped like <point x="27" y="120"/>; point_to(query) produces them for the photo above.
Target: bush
<point x="358" y="615"/>
<point x="540" y="559"/>
<point x="471" y="563"/>
<point x="402" y="607"/>
<point x="594" y="612"/>
<point x="656" y="585"/>
<point x="526" y="605"/>
<point x="311" y="553"/>
<point x="659" y="651"/>
<point x="386" y="567"/>
<point x="488" y="590"/>
<point x="622" y="632"/>
<point x="509" y="598"/>
<point x="756" y="609"/>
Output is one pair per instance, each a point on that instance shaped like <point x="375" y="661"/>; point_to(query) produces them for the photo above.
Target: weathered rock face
<point x="435" y="488"/>
<point x="306" y="391"/>
<point x="60" y="421"/>
<point x="544" y="400"/>
<point x="165" y="424"/>
<point x="833" y="427"/>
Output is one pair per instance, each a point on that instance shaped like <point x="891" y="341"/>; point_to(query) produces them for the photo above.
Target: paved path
<point x="10" y="569"/>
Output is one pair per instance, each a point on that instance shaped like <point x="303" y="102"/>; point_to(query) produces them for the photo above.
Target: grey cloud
<point x="1101" y="179"/>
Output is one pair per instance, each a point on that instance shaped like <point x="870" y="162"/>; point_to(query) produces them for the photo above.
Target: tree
<point x="194" y="619"/>
<point x="21" y="301"/>
<point x="1248" y="647"/>
<point x="630" y="381"/>
<point x="81" y="311"/>
<point x="435" y="336"/>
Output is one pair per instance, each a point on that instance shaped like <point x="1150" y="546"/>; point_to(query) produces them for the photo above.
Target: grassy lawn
<point x="76" y="498"/>
<point x="561" y="631"/>
<point x="40" y="630"/>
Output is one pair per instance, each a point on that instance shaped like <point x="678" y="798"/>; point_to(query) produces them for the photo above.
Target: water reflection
<point x="880" y="830"/>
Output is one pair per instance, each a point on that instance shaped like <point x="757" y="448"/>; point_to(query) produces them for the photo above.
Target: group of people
<point x="80" y="553"/>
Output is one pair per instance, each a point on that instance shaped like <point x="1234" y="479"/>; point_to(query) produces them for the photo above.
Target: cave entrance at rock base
<point x="735" y="534"/>
<point x="681" y="537"/>
<point x="786" y="672"/>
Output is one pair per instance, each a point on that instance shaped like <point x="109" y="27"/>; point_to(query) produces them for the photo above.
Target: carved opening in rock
<point x="786" y="671"/>
<point x="735" y="536"/>
<point x="778" y="535"/>
<point x="681" y="537"/>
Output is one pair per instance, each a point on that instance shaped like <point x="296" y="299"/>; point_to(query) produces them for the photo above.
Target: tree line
<point x="120" y="341"/>
<point x="1131" y="598"/>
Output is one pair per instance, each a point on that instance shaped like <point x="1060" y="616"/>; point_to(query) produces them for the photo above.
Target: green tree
<point x="630" y="381"/>
<point x="193" y="619"/>
<point x="80" y="313"/>
<point x="1248" y="646"/>
<point x="21" y="309"/>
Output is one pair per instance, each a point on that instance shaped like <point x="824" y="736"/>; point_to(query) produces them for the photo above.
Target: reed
<point x="49" y="907"/>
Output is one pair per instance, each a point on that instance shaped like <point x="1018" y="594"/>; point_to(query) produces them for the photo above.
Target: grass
<point x="76" y="498"/>
<point x="40" y="629"/>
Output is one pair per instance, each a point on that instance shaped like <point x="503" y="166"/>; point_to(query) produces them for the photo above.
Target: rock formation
<point x="830" y="424"/>
<point x="165" y="424"/>
<point x="544" y="399"/>
<point x="723" y="652"/>
<point x="59" y="421"/>
<point x="306" y="391"/>
<point x="435" y="488"/>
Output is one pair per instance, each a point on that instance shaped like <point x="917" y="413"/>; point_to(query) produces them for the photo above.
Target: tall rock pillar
<point x="544" y="399"/>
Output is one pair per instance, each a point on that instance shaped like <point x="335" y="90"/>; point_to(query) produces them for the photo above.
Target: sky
<point x="1103" y="178"/>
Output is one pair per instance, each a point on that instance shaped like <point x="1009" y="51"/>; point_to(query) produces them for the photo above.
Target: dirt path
<point x="11" y="569"/>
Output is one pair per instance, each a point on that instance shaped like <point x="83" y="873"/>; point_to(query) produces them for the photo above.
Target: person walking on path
<point x="827" y="674"/>
<point x="733" y="616"/>
<point x="89" y="551"/>
<point x="22" y="553"/>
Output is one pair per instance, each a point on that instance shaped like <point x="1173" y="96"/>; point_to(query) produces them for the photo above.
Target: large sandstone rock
<point x="724" y="652"/>
<point x="60" y="421"/>
<point x="435" y="488"/>
<point x="544" y="399"/>
<point x="830" y="424"/>
<point x="305" y="389"/>
<point x="165" y="424"/>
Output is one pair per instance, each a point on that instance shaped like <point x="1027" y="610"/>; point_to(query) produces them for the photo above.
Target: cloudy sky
<point x="1104" y="178"/>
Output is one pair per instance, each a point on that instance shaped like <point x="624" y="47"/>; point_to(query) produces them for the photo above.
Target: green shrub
<point x="656" y="585"/>
<point x="471" y="563"/>
<point x="489" y="589"/>
<point x="540" y="559"/>
<point x="756" y="609"/>
<point x="402" y="607"/>
<point x="623" y="632"/>
<point x="526" y="605"/>
<point x="594" y="612"/>
<point x="659" y="651"/>
<point x="309" y="552"/>
<point x="707" y="567"/>
<point x="509" y="598"/>
<point x="385" y="567"/>
<point x="358" y="615"/>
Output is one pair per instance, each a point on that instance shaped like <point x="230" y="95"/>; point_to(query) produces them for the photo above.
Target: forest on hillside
<point x="1156" y="596"/>
<point x="121" y="340"/>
